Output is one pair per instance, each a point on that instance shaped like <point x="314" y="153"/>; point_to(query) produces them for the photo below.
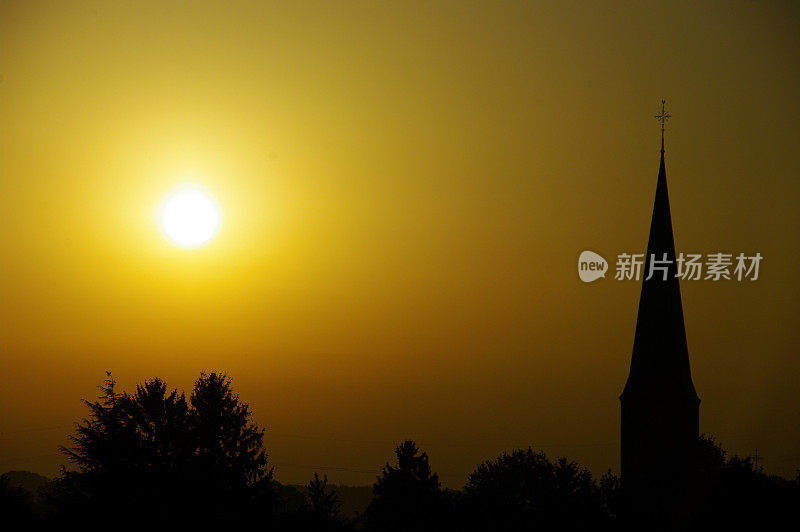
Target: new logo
<point x="591" y="266"/>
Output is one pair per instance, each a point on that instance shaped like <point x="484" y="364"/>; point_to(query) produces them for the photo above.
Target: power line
<point x="328" y="468"/>
<point x="27" y="458"/>
<point x="473" y="443"/>
<point x="33" y="429"/>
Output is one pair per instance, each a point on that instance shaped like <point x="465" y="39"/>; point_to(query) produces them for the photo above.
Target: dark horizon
<point x="163" y="457"/>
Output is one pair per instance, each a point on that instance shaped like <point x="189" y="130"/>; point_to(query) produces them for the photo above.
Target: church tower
<point x="659" y="405"/>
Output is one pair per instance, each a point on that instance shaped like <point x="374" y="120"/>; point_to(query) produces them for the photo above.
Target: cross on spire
<point x="663" y="117"/>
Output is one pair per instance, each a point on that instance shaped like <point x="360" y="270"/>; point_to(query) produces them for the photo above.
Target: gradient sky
<point x="405" y="189"/>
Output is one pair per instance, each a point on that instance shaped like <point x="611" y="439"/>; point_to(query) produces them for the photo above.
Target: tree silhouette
<point x="152" y="455"/>
<point x="159" y="459"/>
<point x="524" y="490"/>
<point x="230" y="458"/>
<point x="110" y="454"/>
<point x="731" y="491"/>
<point x="611" y="491"/>
<point x="408" y="496"/>
<point x="324" y="505"/>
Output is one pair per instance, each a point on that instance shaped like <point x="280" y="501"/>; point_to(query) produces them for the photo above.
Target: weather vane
<point x="663" y="117"/>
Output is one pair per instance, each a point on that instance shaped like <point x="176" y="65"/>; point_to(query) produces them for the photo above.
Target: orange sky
<point x="405" y="189"/>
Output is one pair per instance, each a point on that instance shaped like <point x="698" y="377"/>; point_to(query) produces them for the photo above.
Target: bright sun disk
<point x="190" y="217"/>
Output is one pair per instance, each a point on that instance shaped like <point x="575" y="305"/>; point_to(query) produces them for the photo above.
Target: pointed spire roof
<point x="660" y="361"/>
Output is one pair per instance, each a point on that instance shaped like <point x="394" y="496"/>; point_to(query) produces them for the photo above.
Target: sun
<point x="190" y="217"/>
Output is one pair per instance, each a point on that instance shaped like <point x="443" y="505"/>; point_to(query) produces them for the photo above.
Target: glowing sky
<point x="406" y="188"/>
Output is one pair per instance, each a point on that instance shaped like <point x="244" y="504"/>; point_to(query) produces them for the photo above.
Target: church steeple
<point x="660" y="361"/>
<point x="659" y="405"/>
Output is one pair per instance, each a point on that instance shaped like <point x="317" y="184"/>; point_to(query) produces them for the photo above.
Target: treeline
<point x="156" y="458"/>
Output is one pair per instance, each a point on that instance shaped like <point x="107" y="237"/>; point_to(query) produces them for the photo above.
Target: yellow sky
<point x="405" y="189"/>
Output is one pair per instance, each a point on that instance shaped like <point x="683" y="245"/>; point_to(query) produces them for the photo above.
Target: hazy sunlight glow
<point x="190" y="217"/>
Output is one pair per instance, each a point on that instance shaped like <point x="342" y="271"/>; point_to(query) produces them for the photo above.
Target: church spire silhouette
<point x="659" y="405"/>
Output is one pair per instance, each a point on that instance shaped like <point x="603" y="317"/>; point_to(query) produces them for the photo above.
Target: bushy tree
<point x="526" y="491"/>
<point x="731" y="491"/>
